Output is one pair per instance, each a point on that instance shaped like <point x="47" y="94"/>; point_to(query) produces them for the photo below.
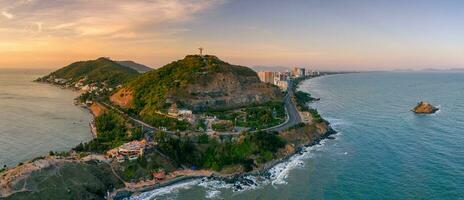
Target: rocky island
<point x="195" y="117"/>
<point x="424" y="107"/>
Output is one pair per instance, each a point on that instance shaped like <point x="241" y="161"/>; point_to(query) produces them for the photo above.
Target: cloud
<point x="7" y="15"/>
<point x="39" y="26"/>
<point x="61" y="31"/>
<point x="99" y="18"/>
<point x="62" y="26"/>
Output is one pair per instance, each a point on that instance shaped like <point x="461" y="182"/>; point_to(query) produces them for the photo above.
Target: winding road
<point x="293" y="117"/>
<point x="140" y="122"/>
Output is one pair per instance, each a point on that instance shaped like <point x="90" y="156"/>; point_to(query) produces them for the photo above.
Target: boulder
<point x="424" y="108"/>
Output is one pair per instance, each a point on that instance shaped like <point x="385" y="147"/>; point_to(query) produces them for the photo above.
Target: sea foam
<point x="214" y="188"/>
<point x="276" y="175"/>
<point x="172" y="189"/>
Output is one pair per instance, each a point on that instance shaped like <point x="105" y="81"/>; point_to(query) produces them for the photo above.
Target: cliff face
<point x="307" y="134"/>
<point x="225" y="90"/>
<point x="424" y="108"/>
<point x="197" y="83"/>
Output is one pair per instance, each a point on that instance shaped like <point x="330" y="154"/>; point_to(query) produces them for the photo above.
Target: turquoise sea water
<point x="382" y="151"/>
<point x="36" y="118"/>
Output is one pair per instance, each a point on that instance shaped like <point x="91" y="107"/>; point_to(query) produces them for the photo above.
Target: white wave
<point x="337" y="122"/>
<point x="165" y="190"/>
<point x="280" y="172"/>
<point x="213" y="188"/>
<point x="438" y="111"/>
<point x="212" y="194"/>
<point x="246" y="183"/>
<point x="277" y="175"/>
<point x="216" y="184"/>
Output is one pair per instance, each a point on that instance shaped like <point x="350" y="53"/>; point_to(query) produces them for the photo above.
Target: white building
<point x="298" y="72"/>
<point x="283" y="85"/>
<point x="131" y="150"/>
<point x="267" y="77"/>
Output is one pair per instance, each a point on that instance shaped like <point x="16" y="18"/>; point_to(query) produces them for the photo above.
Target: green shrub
<point x="111" y="128"/>
<point x="315" y="115"/>
<point x="203" y="138"/>
<point x="215" y="155"/>
<point x="158" y="120"/>
<point x="302" y="99"/>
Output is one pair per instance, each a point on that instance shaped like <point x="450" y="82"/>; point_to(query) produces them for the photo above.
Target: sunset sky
<point x="324" y="34"/>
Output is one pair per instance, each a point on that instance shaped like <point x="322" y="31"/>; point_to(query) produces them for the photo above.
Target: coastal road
<point x="137" y="121"/>
<point x="293" y="117"/>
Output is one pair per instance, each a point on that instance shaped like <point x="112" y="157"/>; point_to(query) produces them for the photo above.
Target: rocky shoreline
<point x="232" y="178"/>
<point x="228" y="178"/>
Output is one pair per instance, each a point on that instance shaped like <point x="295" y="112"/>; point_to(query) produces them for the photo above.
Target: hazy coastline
<point x="37" y="118"/>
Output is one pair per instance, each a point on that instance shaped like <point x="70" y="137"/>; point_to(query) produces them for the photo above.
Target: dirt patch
<point x="123" y="98"/>
<point x="97" y="109"/>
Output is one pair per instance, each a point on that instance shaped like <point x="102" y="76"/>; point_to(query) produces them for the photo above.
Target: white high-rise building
<point x="299" y="72"/>
<point x="267" y="77"/>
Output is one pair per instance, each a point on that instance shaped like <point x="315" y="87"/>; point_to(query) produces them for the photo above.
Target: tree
<point x="203" y="138"/>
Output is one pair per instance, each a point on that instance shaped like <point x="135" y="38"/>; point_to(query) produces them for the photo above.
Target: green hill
<point x="197" y="83"/>
<point x="102" y="70"/>
<point x="136" y="66"/>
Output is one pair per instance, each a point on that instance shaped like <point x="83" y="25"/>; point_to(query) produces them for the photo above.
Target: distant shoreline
<point x="13" y="162"/>
<point x="81" y="105"/>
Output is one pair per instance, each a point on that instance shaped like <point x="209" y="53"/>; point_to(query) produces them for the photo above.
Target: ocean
<point x="37" y="118"/>
<point x="382" y="150"/>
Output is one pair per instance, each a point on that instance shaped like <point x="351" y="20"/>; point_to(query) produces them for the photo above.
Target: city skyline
<point x="335" y="35"/>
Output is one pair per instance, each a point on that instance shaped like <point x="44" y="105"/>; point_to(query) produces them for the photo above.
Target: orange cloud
<point x="7" y="15"/>
<point x="47" y="28"/>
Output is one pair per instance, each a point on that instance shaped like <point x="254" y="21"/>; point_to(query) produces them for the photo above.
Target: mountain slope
<point x="136" y="66"/>
<point x="102" y="70"/>
<point x="197" y="83"/>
